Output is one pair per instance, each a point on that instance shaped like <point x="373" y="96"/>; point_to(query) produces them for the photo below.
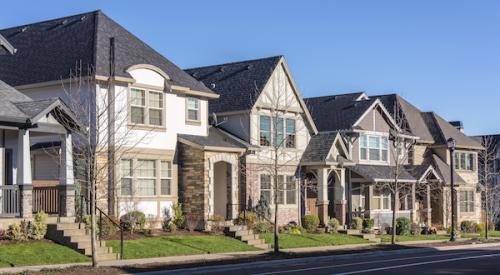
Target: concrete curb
<point x="236" y="255"/>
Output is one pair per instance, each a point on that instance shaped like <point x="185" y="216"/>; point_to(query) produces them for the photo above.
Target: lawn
<point x="38" y="253"/>
<point x="312" y="240"/>
<point x="410" y="238"/>
<point x="178" y="245"/>
<point x="495" y="234"/>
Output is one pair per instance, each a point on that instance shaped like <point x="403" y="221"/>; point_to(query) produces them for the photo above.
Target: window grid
<point x="146" y="177"/>
<point x="146" y="107"/>
<point x="374" y="148"/>
<point x="193" y="109"/>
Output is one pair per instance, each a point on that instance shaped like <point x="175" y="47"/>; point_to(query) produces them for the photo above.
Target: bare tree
<point x="105" y="132"/>
<point x="487" y="183"/>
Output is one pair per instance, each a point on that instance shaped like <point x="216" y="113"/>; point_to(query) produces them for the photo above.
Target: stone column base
<point x="340" y="212"/>
<point x="26" y="196"/>
<point x="323" y="212"/>
<point x="67" y="201"/>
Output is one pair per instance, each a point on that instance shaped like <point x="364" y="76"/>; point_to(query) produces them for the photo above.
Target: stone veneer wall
<point x="286" y="213"/>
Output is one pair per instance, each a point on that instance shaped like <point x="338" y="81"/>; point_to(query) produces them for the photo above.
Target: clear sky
<point x="442" y="56"/>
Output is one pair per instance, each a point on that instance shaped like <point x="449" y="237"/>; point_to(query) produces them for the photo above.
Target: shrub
<point x="403" y="226"/>
<point x="310" y="223"/>
<point x="133" y="221"/>
<point x="38" y="228"/>
<point x="368" y="223"/>
<point x="333" y="225"/>
<point x="295" y="230"/>
<point x="15" y="233"/>
<point x="415" y="229"/>
<point x="357" y="223"/>
<point x="468" y="227"/>
<point x="218" y="223"/>
<point x="192" y="222"/>
<point x="108" y="227"/>
<point x="247" y="218"/>
<point x="263" y="210"/>
<point x="479" y="228"/>
<point x="178" y="216"/>
<point x="263" y="227"/>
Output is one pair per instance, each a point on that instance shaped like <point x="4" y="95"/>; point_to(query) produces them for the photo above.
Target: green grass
<point x="312" y="240"/>
<point x="37" y="253"/>
<point x="495" y="234"/>
<point x="410" y="238"/>
<point x="178" y="245"/>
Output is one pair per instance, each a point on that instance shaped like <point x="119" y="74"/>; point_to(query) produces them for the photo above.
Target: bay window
<point x="381" y="199"/>
<point x="466" y="201"/>
<point x="465" y="161"/>
<point x="374" y="148"/>
<point x="145" y="177"/>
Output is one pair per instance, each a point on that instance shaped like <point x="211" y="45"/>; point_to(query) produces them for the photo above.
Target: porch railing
<point x="10" y="201"/>
<point x="46" y="199"/>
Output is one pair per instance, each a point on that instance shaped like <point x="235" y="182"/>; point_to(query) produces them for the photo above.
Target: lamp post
<point x="451" y="146"/>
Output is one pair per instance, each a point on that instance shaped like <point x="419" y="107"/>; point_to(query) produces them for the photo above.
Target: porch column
<point x="428" y="210"/>
<point x="368" y="200"/>
<point x="340" y="204"/>
<point x="67" y="177"/>
<point x="413" y="212"/>
<point x="24" y="180"/>
<point x="322" y="202"/>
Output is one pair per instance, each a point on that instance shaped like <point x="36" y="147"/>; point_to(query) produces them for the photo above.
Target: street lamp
<point x="451" y="146"/>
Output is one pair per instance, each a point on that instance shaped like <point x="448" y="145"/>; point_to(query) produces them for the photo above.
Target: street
<point x="465" y="261"/>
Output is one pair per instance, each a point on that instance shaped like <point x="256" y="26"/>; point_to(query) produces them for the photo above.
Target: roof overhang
<point x="377" y="103"/>
<point x="6" y="46"/>
<point x="212" y="148"/>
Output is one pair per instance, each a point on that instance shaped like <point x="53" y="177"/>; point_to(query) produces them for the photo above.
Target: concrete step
<point x="237" y="228"/>
<point x="349" y="231"/>
<point x="264" y="246"/>
<point x="88" y="244"/>
<point x="247" y="237"/>
<point x="99" y="250"/>
<point x="108" y="257"/>
<point x="74" y="232"/>
<point x="65" y="226"/>
<point x="243" y="233"/>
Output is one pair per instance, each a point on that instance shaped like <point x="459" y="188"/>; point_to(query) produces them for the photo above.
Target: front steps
<point x="242" y="233"/>
<point x="366" y="236"/>
<point x="75" y="236"/>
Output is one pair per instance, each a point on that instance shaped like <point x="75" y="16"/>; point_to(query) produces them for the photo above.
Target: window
<point x="146" y="177"/>
<point x="464" y="161"/>
<point x="291" y="190"/>
<point x="290" y="133"/>
<point x="279" y="132"/>
<point x="374" y="148"/>
<point x="165" y="177"/>
<point x="193" y="109"/>
<point x="126" y="180"/>
<point x="265" y="188"/>
<point x="466" y="201"/>
<point x="146" y="107"/>
<point x="381" y="200"/>
<point x="265" y="131"/>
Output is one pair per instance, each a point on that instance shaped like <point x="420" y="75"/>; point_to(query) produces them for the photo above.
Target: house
<point x="261" y="105"/>
<point x="366" y="123"/>
<point x="142" y="109"/>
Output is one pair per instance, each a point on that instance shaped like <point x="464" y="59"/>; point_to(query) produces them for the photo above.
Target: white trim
<point x="377" y="102"/>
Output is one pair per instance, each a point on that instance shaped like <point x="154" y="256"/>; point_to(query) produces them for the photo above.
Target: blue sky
<point x="440" y="55"/>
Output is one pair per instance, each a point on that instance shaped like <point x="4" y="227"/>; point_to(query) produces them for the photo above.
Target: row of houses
<point x="207" y="137"/>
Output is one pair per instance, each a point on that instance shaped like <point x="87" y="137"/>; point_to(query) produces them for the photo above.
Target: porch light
<point x="451" y="143"/>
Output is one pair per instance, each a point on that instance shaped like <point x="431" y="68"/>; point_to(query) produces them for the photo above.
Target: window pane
<point x="266" y="196"/>
<point x="137" y="97"/>
<point x="146" y="168"/>
<point x="155" y="100"/>
<point x="265" y="131"/>
<point x="385" y="154"/>
<point x="279" y="131"/>
<point x="364" y="141"/>
<point x="374" y="154"/>
<point x="364" y="154"/>
<point x="126" y="188"/>
<point x="281" y="189"/>
<point x="376" y="203"/>
<point x="290" y="133"/>
<point x="155" y="117"/>
<point x="462" y="161"/>
<point x="193" y="103"/>
<point x="385" y="143"/>
<point x="193" y="108"/>
<point x="126" y="167"/>
<point x="265" y="182"/>
<point x="192" y="114"/>
<point x="374" y="142"/>
<point x="470" y="162"/>
<point x="137" y="115"/>
<point x="146" y="187"/>
<point x="166" y="169"/>
<point x="291" y="193"/>
<point x="165" y="188"/>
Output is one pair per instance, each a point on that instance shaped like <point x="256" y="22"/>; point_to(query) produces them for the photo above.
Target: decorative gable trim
<point x="378" y="103"/>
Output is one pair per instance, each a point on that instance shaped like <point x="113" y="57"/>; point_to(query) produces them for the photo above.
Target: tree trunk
<point x="93" y="240"/>
<point x="276" y="186"/>
<point x="486" y="222"/>
<point x="394" y="205"/>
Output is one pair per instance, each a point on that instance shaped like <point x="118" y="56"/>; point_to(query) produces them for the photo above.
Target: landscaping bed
<point x="44" y="252"/>
<point x="179" y="245"/>
<point x="312" y="240"/>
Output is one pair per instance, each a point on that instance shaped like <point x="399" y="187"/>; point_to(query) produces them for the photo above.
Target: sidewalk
<point x="406" y="247"/>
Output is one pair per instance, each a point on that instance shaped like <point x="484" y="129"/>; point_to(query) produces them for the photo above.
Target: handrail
<point x="101" y="213"/>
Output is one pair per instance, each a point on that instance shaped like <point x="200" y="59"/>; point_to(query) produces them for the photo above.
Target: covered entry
<point x="222" y="189"/>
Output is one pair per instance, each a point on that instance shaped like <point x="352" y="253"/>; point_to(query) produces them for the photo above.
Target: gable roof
<point x="216" y="139"/>
<point x="442" y="130"/>
<point x="444" y="170"/>
<point x="17" y="108"/>
<point x="5" y="46"/>
<point x="48" y="50"/>
<point x="238" y="83"/>
<point x="319" y="147"/>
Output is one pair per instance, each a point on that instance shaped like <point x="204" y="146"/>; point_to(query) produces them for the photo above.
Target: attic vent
<point x="24" y="29"/>
<point x="212" y="85"/>
<point x="83" y="18"/>
<point x="248" y="67"/>
<point x="64" y="22"/>
<point x="221" y="69"/>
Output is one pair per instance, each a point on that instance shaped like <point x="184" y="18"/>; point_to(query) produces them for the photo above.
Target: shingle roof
<point x="318" y="147"/>
<point x="5" y="46"/>
<point x="337" y="112"/>
<point x="48" y="50"/>
<point x="215" y="138"/>
<point x="444" y="170"/>
<point x="381" y="172"/>
<point x="239" y="83"/>
<point x="442" y="130"/>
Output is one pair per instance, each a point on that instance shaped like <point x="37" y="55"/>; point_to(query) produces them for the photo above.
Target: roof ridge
<point x="326" y="96"/>
<point x="235" y="62"/>
<point x="54" y="19"/>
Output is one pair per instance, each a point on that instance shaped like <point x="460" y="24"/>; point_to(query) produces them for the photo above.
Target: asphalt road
<point x="471" y="261"/>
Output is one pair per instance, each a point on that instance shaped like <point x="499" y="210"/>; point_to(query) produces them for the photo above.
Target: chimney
<point x="458" y="124"/>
